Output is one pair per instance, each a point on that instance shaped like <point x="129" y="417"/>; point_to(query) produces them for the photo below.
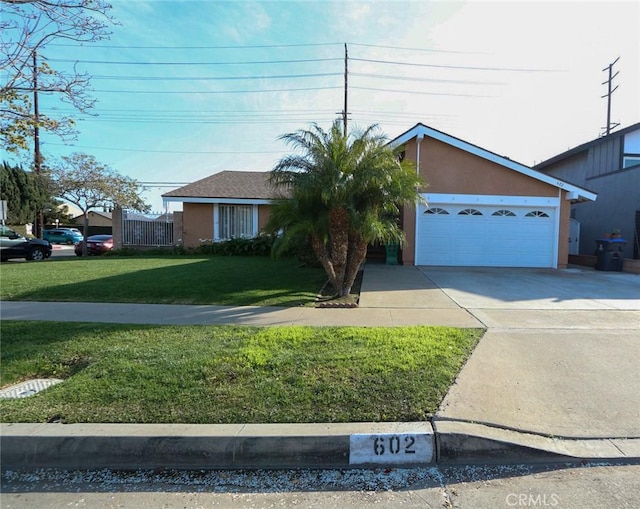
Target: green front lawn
<point x="230" y="281"/>
<point x="225" y="374"/>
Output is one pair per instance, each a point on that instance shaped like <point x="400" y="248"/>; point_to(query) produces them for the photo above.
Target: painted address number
<point x="389" y="448"/>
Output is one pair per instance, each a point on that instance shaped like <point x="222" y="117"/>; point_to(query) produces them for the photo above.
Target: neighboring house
<point x="483" y="209"/>
<point x="96" y="218"/>
<point x="610" y="166"/>
<point x="225" y="205"/>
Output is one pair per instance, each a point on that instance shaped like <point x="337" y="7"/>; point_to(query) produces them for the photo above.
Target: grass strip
<point x="227" y="281"/>
<point x="226" y="374"/>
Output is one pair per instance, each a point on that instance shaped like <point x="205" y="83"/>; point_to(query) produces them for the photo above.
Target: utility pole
<point x="610" y="91"/>
<point x="37" y="158"/>
<point x="346" y="84"/>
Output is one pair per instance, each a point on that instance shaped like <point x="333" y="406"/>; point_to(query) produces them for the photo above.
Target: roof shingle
<point x="230" y="184"/>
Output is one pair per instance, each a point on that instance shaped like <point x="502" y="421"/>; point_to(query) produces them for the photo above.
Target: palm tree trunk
<point x="357" y="254"/>
<point x="322" y="253"/>
<point x="339" y="243"/>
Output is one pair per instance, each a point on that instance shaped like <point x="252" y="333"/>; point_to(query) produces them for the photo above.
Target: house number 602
<point x="393" y="445"/>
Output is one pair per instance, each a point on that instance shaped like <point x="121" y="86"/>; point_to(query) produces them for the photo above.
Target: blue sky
<point x="189" y="88"/>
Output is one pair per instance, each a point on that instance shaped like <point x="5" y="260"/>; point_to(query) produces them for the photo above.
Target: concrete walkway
<point x="390" y="297"/>
<point x="555" y="377"/>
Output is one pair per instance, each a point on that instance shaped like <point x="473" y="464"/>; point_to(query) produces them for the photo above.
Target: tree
<point x="88" y="184"/>
<point x="344" y="192"/>
<point x="26" y="27"/>
<point x="26" y="194"/>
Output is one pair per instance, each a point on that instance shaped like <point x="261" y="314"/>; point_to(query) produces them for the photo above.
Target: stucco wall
<point x="264" y="211"/>
<point x="450" y="170"/>
<point x="94" y="220"/>
<point x="197" y="221"/>
<point x="563" y="235"/>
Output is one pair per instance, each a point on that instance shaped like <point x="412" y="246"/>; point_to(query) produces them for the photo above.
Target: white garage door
<point x="486" y="235"/>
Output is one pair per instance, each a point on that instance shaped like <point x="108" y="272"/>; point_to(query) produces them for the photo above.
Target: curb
<point x="202" y="446"/>
<point x="291" y="446"/>
<point x="471" y="443"/>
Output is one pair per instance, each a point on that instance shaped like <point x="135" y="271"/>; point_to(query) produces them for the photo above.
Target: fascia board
<point x="224" y="201"/>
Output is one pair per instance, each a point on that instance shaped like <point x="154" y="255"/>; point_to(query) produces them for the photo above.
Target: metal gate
<point x="147" y="229"/>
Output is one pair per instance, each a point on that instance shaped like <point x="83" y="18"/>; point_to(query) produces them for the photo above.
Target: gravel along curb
<point x="287" y="446"/>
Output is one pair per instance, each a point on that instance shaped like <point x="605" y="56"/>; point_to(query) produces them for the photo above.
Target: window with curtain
<point x="235" y="221"/>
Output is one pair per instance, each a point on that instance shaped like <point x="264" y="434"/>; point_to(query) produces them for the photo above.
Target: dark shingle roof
<point x="229" y="184"/>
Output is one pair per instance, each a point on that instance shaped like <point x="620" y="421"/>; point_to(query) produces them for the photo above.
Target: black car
<point x="14" y="245"/>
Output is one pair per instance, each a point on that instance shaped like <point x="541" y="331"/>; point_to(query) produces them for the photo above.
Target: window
<point x="436" y="210"/>
<point x="631" y="149"/>
<point x="536" y="213"/>
<point x="235" y="221"/>
<point x="503" y="212"/>
<point x="630" y="160"/>
<point x="469" y="212"/>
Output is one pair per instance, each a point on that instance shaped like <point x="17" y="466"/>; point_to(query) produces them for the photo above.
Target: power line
<point x="420" y="92"/>
<point x="435" y="80"/>
<point x="110" y="46"/>
<point x="258" y="62"/>
<point x="304" y="89"/>
<point x="214" y="78"/>
<point x="169" y="151"/>
<point x="417" y="49"/>
<point x="446" y="66"/>
<point x="265" y="46"/>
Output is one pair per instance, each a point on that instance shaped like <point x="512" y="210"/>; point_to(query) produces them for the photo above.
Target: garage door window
<point x="537" y="213"/>
<point x="469" y="212"/>
<point x="436" y="210"/>
<point x="504" y="213"/>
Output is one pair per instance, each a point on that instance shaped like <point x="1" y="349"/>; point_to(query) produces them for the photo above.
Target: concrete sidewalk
<point x="555" y="378"/>
<point x="390" y="297"/>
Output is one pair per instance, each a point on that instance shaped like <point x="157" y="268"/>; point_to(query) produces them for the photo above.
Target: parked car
<point x="14" y="245"/>
<point x="96" y="245"/>
<point x="63" y="235"/>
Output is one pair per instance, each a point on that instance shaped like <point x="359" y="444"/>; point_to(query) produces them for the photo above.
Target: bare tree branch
<point x="26" y="27"/>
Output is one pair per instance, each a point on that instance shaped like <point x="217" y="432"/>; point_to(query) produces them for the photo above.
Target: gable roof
<point x="420" y="130"/>
<point x="587" y="146"/>
<point x="227" y="185"/>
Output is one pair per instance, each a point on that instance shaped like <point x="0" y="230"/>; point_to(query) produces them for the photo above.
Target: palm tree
<point x="344" y="192"/>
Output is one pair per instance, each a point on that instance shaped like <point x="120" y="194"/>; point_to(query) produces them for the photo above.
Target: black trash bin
<point x="610" y="253"/>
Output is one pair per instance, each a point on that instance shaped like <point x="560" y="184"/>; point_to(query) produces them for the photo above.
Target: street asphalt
<point x="556" y="376"/>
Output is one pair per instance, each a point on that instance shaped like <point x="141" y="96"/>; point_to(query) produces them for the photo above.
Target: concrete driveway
<point x="561" y="355"/>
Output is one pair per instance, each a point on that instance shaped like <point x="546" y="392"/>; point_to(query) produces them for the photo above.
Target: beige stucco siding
<point x="450" y="170"/>
<point x="264" y="211"/>
<point x="197" y="220"/>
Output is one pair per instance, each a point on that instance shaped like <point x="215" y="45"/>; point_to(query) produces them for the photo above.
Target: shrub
<point x="257" y="246"/>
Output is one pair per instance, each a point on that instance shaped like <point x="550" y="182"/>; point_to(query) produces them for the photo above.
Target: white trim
<point x="422" y="130"/>
<point x="556" y="233"/>
<point x="416" y="231"/>
<point x="216" y="222"/>
<point x="223" y="201"/>
<point x="254" y="220"/>
<point x="486" y="199"/>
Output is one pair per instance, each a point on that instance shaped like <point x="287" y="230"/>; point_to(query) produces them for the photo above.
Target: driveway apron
<point x="561" y="356"/>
